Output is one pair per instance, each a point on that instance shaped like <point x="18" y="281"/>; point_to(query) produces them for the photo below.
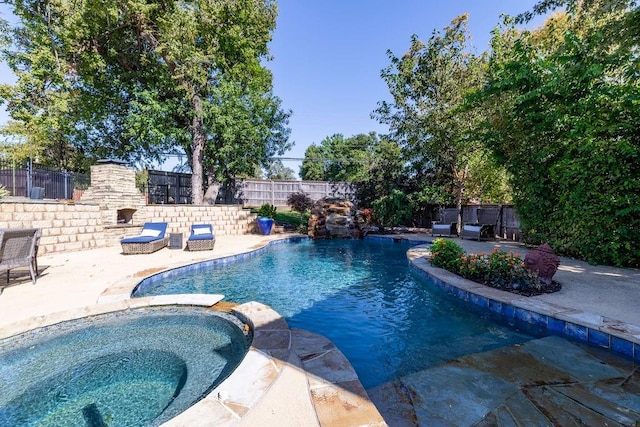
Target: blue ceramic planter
<point x="264" y="225"/>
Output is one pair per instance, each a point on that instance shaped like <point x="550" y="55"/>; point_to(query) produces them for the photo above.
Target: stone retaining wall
<point x="76" y="226"/>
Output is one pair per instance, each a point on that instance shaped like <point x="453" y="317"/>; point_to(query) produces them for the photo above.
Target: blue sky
<point x="328" y="54"/>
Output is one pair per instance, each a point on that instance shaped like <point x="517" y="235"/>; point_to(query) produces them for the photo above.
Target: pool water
<point x="132" y="368"/>
<point x="361" y="294"/>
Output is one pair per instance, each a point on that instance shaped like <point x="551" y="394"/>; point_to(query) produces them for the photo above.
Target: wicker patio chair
<point x="19" y="248"/>
<point x="448" y="223"/>
<point x="201" y="238"/>
<point x="485" y="228"/>
<point x="151" y="239"/>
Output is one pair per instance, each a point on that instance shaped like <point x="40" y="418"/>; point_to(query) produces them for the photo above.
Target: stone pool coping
<point x="317" y="385"/>
<point x="604" y="332"/>
<point x="311" y="379"/>
<point x="289" y="376"/>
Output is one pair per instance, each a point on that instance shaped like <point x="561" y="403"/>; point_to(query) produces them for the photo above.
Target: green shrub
<point x="3" y="192"/>
<point x="303" y="226"/>
<point x="446" y="254"/>
<point x="299" y="202"/>
<point x="267" y="210"/>
<point x="142" y="180"/>
<point x="394" y="209"/>
<point x="499" y="269"/>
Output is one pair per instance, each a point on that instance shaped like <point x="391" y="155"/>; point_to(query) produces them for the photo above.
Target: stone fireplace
<point x="113" y="188"/>
<point x="125" y="216"/>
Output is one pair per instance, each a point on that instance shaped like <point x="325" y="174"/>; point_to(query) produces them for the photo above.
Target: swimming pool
<point x="361" y="294"/>
<point x="133" y="367"/>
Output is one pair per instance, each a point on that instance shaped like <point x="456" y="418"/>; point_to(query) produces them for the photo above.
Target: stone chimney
<point x="113" y="188"/>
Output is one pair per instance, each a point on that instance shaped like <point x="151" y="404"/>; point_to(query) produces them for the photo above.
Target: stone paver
<point x="522" y="385"/>
<point x="337" y="394"/>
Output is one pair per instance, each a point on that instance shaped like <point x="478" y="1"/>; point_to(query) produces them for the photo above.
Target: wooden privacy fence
<point x="254" y="192"/>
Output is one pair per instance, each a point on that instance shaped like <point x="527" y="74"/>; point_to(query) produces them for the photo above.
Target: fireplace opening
<point x="125" y="216"/>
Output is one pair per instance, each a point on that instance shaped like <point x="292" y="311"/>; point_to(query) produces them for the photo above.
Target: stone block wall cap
<point x="111" y="162"/>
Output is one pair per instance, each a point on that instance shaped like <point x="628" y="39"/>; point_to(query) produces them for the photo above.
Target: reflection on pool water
<point x="361" y="294"/>
<point x="136" y="367"/>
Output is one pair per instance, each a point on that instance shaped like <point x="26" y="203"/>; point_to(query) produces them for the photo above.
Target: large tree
<point x="312" y="168"/>
<point x="247" y="128"/>
<point x="382" y="174"/>
<point x="429" y="85"/>
<point x="278" y="171"/>
<point x="339" y="159"/>
<point x="136" y="78"/>
<point x="374" y="164"/>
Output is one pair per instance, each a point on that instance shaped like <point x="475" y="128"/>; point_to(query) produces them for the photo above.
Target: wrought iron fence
<point x="37" y="182"/>
<point x="169" y="187"/>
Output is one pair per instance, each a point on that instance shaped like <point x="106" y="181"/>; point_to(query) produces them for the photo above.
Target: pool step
<point x="544" y="382"/>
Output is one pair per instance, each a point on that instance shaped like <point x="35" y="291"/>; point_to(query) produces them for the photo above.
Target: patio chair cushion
<point x="198" y="231"/>
<point x="151" y="231"/>
<point x="202" y="237"/>
<point x="201" y="232"/>
<point x="139" y="239"/>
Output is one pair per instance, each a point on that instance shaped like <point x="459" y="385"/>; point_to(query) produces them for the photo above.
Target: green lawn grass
<point x="289" y="217"/>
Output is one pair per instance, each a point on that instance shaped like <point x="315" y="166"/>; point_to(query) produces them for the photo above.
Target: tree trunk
<point x="198" y="136"/>
<point x="197" y="149"/>
<point x="461" y="184"/>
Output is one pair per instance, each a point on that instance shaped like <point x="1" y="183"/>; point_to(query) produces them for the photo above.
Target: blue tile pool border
<point x="203" y="265"/>
<point x="611" y="335"/>
<point x="512" y="308"/>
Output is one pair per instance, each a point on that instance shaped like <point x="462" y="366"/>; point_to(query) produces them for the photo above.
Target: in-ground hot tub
<point x="137" y="367"/>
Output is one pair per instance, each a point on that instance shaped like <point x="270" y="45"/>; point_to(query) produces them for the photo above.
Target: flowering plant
<point x="446" y="254"/>
<point x="501" y="270"/>
<point x="497" y="269"/>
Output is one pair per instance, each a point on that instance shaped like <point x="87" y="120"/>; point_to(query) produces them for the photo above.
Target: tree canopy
<point x="553" y="111"/>
<point x="429" y="85"/>
<point x="339" y="159"/>
<point x="135" y="79"/>
<point x="276" y="170"/>
<point x="564" y="120"/>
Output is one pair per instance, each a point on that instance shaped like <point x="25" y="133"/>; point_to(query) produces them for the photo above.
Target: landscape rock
<point x="544" y="261"/>
<point x="336" y="218"/>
